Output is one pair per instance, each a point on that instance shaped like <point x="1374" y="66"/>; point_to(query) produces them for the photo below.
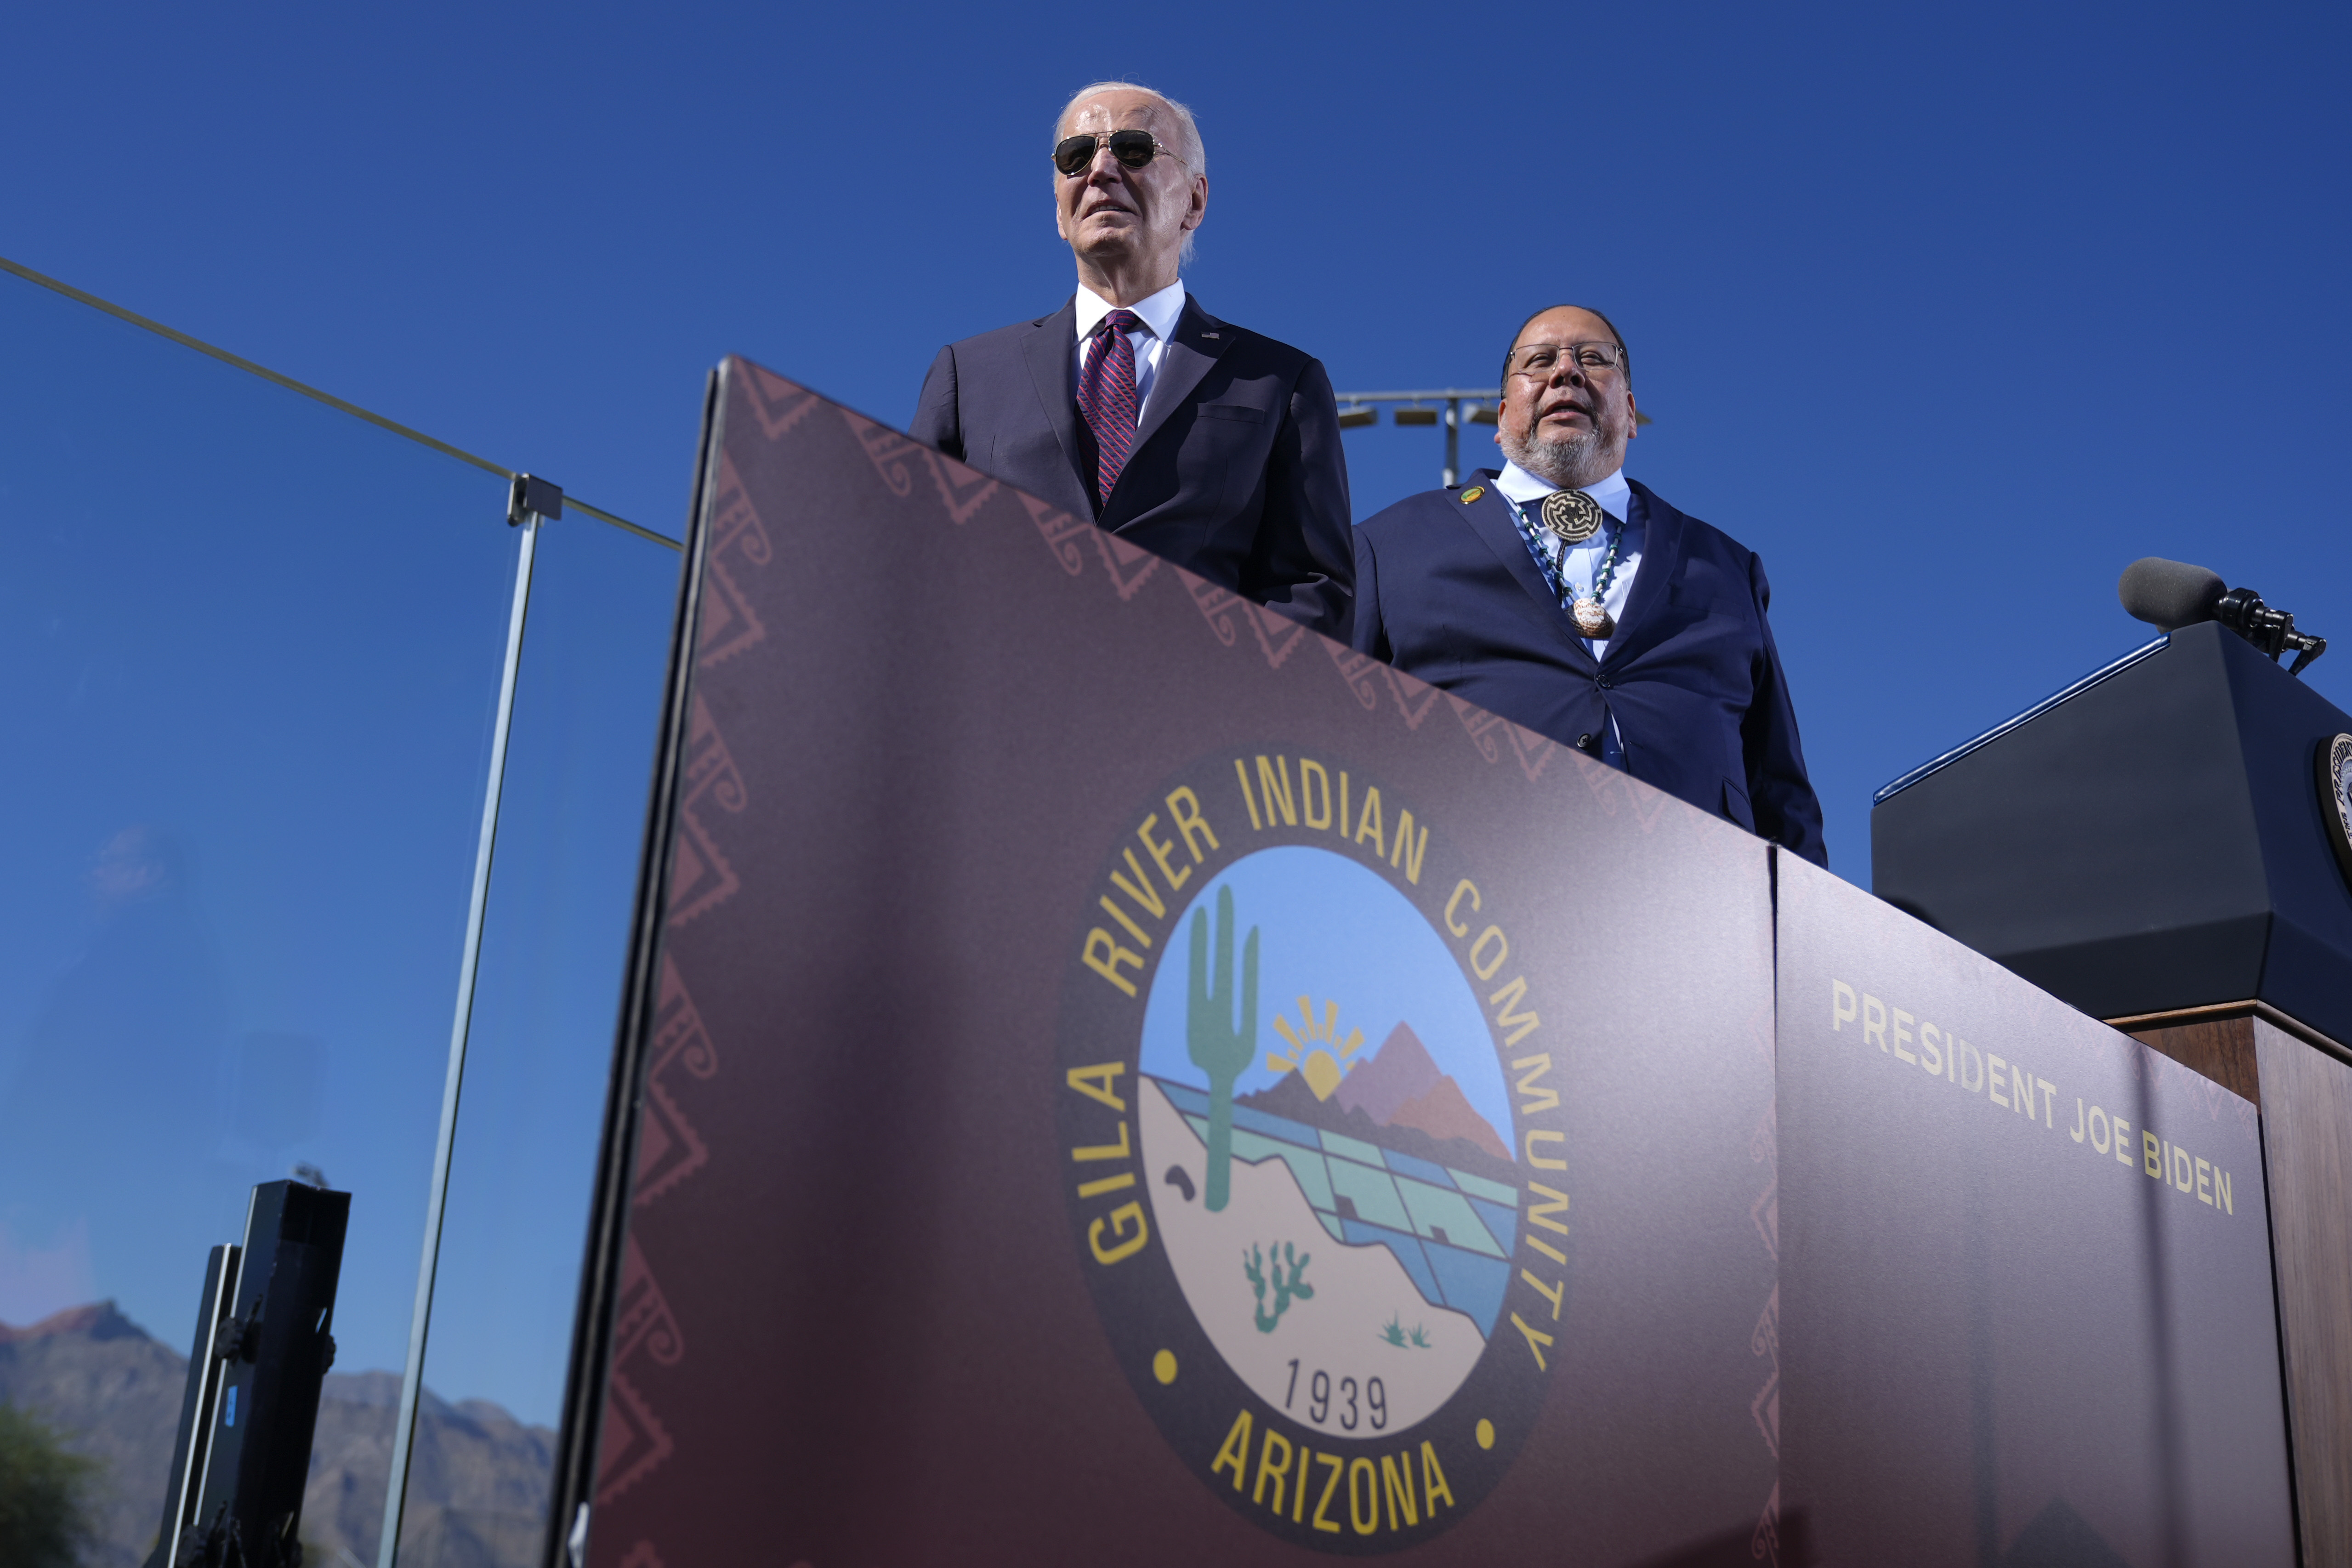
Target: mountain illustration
<point x="1400" y="1070"/>
<point x="1442" y="1112"/>
<point x="1400" y="1100"/>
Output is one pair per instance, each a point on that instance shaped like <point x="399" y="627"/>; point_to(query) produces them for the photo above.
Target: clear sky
<point x="1950" y="312"/>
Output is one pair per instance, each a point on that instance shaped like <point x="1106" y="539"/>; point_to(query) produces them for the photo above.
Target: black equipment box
<point x="263" y="1341"/>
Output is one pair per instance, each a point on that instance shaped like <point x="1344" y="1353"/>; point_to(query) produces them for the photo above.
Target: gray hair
<point x="1195" y="151"/>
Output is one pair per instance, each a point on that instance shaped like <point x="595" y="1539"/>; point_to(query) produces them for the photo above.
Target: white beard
<point x="1569" y="462"/>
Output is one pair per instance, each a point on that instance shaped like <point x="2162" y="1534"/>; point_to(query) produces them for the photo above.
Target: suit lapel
<point x="1653" y="581"/>
<point x="1489" y="518"/>
<point x="1051" y="347"/>
<point x="1190" y="349"/>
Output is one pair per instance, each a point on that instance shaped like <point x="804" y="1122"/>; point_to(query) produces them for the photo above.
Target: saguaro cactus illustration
<point x="1218" y="1048"/>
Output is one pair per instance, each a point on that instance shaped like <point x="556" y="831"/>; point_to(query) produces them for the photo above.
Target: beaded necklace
<point x="1591" y="616"/>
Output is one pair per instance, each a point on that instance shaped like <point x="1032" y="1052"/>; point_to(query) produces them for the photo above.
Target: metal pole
<point x="1452" y="440"/>
<point x="412" y="1382"/>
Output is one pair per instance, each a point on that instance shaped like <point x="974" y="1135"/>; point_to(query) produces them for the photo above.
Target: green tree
<point x="1218" y="1049"/>
<point x="44" y="1494"/>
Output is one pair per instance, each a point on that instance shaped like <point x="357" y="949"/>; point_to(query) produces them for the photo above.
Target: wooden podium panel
<point x="2304" y="1085"/>
<point x="2308" y="1124"/>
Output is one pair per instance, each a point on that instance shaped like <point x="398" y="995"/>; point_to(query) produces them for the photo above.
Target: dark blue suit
<point x="1448" y="591"/>
<point x="1236" y="473"/>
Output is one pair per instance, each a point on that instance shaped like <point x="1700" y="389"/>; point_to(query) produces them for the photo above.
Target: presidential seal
<point x="2335" y="797"/>
<point x="1316" y="1153"/>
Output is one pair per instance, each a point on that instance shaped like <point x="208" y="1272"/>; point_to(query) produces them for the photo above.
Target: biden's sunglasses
<point x="1133" y="149"/>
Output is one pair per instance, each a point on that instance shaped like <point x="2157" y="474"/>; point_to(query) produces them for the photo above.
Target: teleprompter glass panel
<point x="249" y="659"/>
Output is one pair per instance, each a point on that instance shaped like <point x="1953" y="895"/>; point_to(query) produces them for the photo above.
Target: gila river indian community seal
<point x="1314" y="1152"/>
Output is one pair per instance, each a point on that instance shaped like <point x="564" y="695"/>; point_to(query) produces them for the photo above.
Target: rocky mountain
<point x="92" y="1374"/>
<point x="1399" y="1100"/>
<point x="478" y="1478"/>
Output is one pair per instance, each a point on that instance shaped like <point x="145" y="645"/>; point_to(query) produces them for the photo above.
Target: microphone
<point x="2171" y="594"/>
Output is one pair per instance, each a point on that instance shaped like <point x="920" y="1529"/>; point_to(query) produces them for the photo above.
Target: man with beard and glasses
<point x="1574" y="602"/>
<point x="1197" y="440"/>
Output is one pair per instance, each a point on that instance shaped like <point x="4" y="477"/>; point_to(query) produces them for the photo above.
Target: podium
<point x="2160" y="846"/>
<point x="2153" y="842"/>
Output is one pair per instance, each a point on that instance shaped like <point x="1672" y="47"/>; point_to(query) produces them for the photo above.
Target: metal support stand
<point x="532" y="502"/>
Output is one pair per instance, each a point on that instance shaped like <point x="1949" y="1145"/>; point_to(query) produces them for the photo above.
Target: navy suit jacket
<point x="1236" y="473"/>
<point x="1448" y="591"/>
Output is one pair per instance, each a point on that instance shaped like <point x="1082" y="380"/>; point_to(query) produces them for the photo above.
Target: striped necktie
<point x="1107" y="397"/>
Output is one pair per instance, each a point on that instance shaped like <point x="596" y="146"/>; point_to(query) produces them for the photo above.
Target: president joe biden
<point x="1200" y="440"/>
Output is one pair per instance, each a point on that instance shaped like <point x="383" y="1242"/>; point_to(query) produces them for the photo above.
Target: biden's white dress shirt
<point x="1158" y="313"/>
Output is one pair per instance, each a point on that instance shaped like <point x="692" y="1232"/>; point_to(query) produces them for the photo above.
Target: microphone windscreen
<point x="2169" y="593"/>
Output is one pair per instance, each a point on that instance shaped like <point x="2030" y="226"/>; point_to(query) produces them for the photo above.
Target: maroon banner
<point x="2028" y="1282"/>
<point x="1131" y="1080"/>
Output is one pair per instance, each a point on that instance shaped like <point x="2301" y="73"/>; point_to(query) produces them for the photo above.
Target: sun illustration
<point x="1321" y="1068"/>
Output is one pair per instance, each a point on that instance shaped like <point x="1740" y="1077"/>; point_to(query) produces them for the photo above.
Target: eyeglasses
<point x="1537" y="362"/>
<point x="1133" y="149"/>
